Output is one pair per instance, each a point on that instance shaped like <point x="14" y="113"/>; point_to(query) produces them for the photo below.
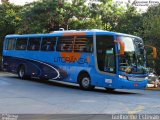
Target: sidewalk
<point x="151" y="87"/>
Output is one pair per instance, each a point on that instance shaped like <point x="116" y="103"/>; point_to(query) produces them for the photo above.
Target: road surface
<point x="38" y="97"/>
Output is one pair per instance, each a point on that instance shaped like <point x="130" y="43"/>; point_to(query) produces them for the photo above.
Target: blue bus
<point x="88" y="57"/>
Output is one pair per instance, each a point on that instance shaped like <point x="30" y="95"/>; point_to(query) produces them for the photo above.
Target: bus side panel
<point x="33" y="68"/>
<point x="75" y="68"/>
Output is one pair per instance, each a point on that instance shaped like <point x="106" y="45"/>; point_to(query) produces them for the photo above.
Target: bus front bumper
<point x="121" y="83"/>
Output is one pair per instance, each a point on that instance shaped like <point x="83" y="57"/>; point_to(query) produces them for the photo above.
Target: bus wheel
<point x="85" y="82"/>
<point x="110" y="89"/>
<point x="21" y="72"/>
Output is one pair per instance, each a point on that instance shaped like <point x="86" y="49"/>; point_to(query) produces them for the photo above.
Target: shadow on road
<point x="75" y="86"/>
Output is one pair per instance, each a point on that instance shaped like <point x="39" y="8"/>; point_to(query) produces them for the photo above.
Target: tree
<point x="130" y="21"/>
<point x="151" y="25"/>
<point x="107" y="12"/>
<point x="80" y="16"/>
<point x="4" y="1"/>
<point x="39" y="17"/>
<point x="8" y="20"/>
<point x="50" y="15"/>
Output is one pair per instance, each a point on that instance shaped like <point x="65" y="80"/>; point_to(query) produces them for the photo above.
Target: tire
<point x="85" y="82"/>
<point x="110" y="89"/>
<point x="21" y="72"/>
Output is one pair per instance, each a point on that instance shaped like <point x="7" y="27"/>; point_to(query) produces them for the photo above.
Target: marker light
<point x="135" y="84"/>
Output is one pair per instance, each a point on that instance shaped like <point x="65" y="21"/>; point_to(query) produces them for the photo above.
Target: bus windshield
<point x="133" y="60"/>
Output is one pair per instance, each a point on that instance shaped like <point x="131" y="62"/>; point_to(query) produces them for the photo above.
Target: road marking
<point x="136" y="110"/>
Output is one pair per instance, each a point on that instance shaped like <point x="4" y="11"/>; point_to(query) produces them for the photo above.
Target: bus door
<point x="106" y="60"/>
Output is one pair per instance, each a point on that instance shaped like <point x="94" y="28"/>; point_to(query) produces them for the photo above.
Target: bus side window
<point x="10" y="44"/>
<point x="34" y="44"/>
<point x="48" y="43"/>
<point x="83" y="44"/>
<point x="65" y="44"/>
<point x="21" y="43"/>
<point x="89" y="45"/>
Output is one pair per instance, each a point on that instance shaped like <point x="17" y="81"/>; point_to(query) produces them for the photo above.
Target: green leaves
<point x="44" y="16"/>
<point x="9" y="18"/>
<point x="151" y="33"/>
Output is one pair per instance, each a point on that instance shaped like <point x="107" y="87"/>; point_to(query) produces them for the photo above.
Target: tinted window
<point x="48" y="43"/>
<point x="10" y="44"/>
<point x="78" y="44"/>
<point x="83" y="44"/>
<point x="34" y="43"/>
<point x="21" y="44"/>
<point x="65" y="44"/>
<point x="105" y="53"/>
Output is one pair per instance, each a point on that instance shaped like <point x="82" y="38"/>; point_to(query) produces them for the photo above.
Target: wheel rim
<point x="21" y="72"/>
<point x="85" y="82"/>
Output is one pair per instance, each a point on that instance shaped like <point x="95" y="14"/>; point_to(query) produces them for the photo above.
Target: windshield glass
<point x="133" y="60"/>
<point x="105" y="53"/>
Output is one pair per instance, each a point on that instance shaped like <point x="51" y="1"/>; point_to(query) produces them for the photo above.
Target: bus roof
<point x="59" y="33"/>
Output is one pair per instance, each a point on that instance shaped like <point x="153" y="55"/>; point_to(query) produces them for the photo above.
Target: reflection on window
<point x="128" y="42"/>
<point x="65" y="44"/>
<point x="76" y="44"/>
<point x="83" y="44"/>
<point x="34" y="44"/>
<point x="133" y="60"/>
<point x="48" y="43"/>
<point x="21" y="44"/>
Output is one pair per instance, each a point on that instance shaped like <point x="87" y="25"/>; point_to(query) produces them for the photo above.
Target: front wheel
<point x="85" y="82"/>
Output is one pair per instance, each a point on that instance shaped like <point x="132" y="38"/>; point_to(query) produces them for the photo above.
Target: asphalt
<point x="49" y="97"/>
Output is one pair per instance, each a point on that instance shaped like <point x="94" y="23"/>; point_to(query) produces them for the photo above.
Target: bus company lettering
<point x="71" y="59"/>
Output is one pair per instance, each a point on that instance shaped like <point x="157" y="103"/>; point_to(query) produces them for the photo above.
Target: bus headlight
<point x="122" y="77"/>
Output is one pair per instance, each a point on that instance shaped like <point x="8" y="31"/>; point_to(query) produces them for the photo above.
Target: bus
<point x="90" y="58"/>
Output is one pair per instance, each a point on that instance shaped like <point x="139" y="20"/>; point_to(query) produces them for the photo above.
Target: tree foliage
<point x="44" y="16"/>
<point x="130" y="22"/>
<point x="39" y="17"/>
<point x="9" y="20"/>
<point x="151" y="25"/>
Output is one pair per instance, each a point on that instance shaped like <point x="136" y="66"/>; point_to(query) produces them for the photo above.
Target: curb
<point x="150" y="88"/>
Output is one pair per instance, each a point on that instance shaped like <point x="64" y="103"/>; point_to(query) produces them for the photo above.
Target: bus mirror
<point x="154" y="51"/>
<point x="121" y="45"/>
